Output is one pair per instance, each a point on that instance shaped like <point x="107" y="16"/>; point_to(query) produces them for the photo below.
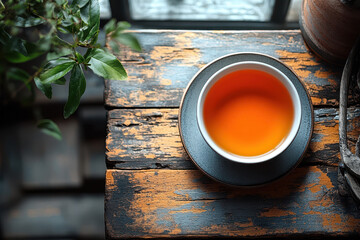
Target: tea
<point x="248" y="112"/>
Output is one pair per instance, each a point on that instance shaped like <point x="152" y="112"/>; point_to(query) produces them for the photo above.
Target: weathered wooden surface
<point x="47" y="162"/>
<point x="168" y="203"/>
<point x="71" y="216"/>
<point x="159" y="74"/>
<point x="93" y="153"/>
<point x="149" y="138"/>
<point x="154" y="190"/>
<point x="10" y="163"/>
<point x="93" y="131"/>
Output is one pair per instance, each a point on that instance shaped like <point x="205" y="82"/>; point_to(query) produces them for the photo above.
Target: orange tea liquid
<point x="248" y="112"/>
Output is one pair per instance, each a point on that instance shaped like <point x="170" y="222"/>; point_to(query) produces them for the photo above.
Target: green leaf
<point x="61" y="67"/>
<point x="90" y="33"/>
<point x="93" y="34"/>
<point x="128" y="40"/>
<point x="17" y="45"/>
<point x="79" y="57"/>
<point x="2" y="7"/>
<point x="63" y="30"/>
<point x="61" y="42"/>
<point x="19" y="75"/>
<point x="110" y="26"/>
<point x="45" y="88"/>
<point x="50" y="128"/>
<point x="73" y="23"/>
<point x="4" y="36"/>
<point x="60" y="81"/>
<point x="80" y="3"/>
<point x="66" y="23"/>
<point x="15" y="57"/>
<point x="77" y="87"/>
<point x="33" y="52"/>
<point x="60" y="2"/>
<point x="107" y="65"/>
<point x="55" y="62"/>
<point x="65" y="14"/>
<point x="94" y="12"/>
<point x="84" y="13"/>
<point x="29" y="21"/>
<point x="14" y="46"/>
<point x="114" y="46"/>
<point x="121" y="26"/>
<point x="89" y="53"/>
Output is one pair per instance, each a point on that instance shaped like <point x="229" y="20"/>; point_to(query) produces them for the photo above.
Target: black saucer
<point x="227" y="171"/>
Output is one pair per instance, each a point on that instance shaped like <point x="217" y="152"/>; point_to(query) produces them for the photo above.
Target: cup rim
<point x="257" y="66"/>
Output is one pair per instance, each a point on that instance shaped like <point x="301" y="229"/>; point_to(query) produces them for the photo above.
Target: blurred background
<point x="52" y="189"/>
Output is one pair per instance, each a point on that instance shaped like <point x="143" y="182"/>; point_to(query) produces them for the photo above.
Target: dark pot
<point x="330" y="27"/>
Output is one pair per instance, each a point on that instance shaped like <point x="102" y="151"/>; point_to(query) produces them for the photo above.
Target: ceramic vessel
<point x="246" y="65"/>
<point x="330" y="27"/>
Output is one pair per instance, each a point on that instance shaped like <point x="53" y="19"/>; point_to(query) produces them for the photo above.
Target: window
<point x="207" y="14"/>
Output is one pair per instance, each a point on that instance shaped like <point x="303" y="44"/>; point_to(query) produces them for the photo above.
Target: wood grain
<point x="154" y="190"/>
<point x="159" y="74"/>
<point x="149" y="138"/>
<point x="168" y="203"/>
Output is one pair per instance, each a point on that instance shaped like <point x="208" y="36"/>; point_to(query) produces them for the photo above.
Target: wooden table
<point x="154" y="190"/>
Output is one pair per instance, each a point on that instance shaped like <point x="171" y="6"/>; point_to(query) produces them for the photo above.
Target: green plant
<point x="64" y="37"/>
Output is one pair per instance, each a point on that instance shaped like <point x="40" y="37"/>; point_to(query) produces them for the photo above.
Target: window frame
<point x="120" y="10"/>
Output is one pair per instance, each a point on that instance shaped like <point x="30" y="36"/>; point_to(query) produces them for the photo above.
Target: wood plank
<point x="47" y="162"/>
<point x="93" y="132"/>
<point x="10" y="163"/>
<point x="149" y="138"/>
<point x="55" y="217"/>
<point x="168" y="203"/>
<point x="93" y="152"/>
<point x="159" y="74"/>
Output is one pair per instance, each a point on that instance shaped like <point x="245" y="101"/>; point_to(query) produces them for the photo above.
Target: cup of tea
<point x="249" y="112"/>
